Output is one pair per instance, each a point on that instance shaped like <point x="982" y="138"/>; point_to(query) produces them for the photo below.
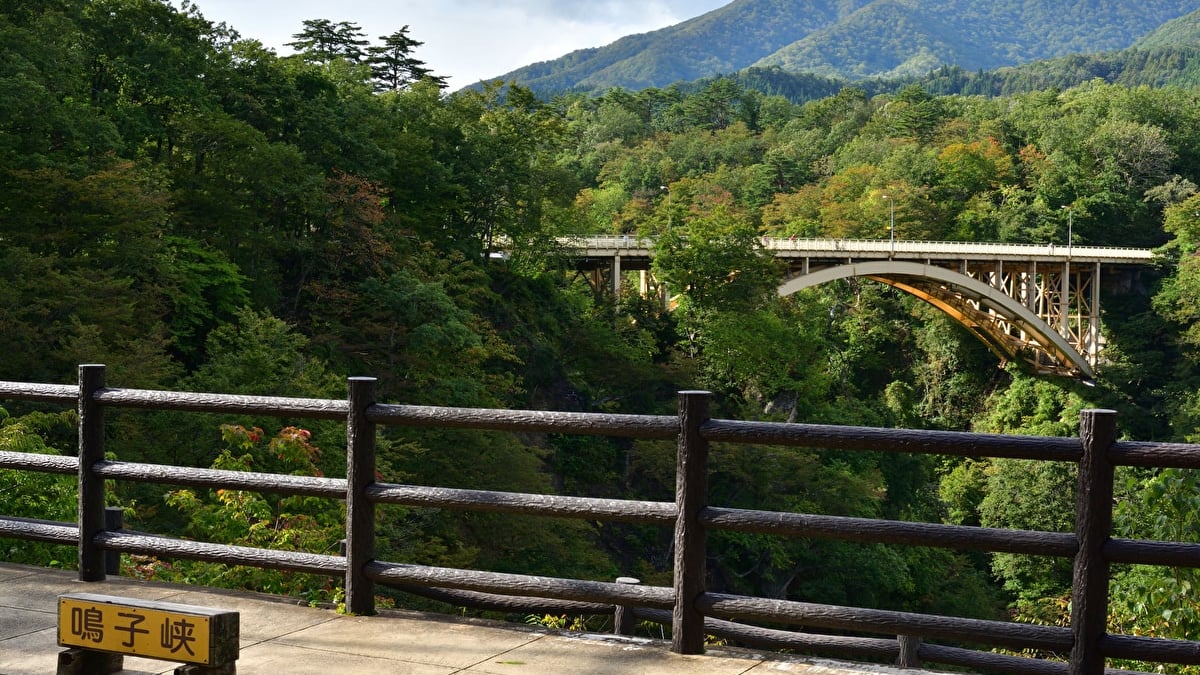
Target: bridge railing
<point x="692" y="610"/>
<point x="907" y="248"/>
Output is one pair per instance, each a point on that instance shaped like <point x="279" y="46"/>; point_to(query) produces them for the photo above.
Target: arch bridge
<point x="1039" y="303"/>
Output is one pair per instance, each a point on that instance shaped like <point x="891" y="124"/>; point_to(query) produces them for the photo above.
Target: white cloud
<point x="600" y="11"/>
<point x="497" y="38"/>
<point x="466" y="40"/>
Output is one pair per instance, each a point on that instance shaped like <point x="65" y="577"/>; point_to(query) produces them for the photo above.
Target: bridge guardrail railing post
<point x="1093" y="527"/>
<point x="360" y="512"/>
<point x="691" y="497"/>
<point x="91" y="486"/>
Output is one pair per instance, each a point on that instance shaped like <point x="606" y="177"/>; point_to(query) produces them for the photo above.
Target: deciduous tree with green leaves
<point x="42" y="496"/>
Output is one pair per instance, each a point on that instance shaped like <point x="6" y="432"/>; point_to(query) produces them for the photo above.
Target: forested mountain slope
<point x="1153" y="67"/>
<point x="1182" y="31"/>
<point x="854" y="39"/>
<point x="724" y="40"/>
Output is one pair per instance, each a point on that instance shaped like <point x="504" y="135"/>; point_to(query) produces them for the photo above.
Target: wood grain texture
<point x="39" y="530"/>
<point x="691" y="547"/>
<point x="28" y="461"/>
<point x="529" y="504"/>
<point x="31" y="391"/>
<point x="521" y="585"/>
<point x="1138" y="552"/>
<point x="494" y="602"/>
<point x="998" y="633"/>
<point x="1093" y="527"/>
<point x="312" y="486"/>
<point x="167" y="547"/>
<point x="873" y="439"/>
<point x="273" y="406"/>
<point x="1164" y="455"/>
<point x="1060" y="544"/>
<point x="593" y="424"/>
<point x="989" y="662"/>
<point x="360" y="512"/>
<point x="1185" y="652"/>
<point x="836" y="646"/>
<point x="91" y="486"/>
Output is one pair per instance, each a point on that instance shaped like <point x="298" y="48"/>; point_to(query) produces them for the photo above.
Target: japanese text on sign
<point x="134" y="630"/>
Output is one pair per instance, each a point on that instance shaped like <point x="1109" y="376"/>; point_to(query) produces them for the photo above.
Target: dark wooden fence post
<point x="114" y="521"/>
<point x="91" y="486"/>
<point x="360" y="513"/>
<point x="1093" y="527"/>
<point x="624" y="621"/>
<point x="691" y="496"/>
<point x="910" y="651"/>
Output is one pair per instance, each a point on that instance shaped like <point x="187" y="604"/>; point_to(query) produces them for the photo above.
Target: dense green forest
<point x="199" y="213"/>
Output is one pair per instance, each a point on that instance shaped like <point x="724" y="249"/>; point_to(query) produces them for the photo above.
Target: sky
<point x="465" y="40"/>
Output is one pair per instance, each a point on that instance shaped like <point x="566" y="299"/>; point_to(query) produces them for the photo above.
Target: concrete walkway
<point x="281" y="637"/>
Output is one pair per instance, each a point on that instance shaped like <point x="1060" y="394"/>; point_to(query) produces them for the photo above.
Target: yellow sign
<point x="125" y="626"/>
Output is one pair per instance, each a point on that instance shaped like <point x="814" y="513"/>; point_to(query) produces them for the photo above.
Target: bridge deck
<point x="860" y="249"/>
<point x="280" y="636"/>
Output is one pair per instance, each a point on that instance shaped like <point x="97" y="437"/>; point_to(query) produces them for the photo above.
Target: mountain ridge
<point x="1180" y="31"/>
<point x="858" y="39"/>
<point x="669" y="54"/>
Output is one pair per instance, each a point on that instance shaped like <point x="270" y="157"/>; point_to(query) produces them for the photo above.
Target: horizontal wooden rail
<point x="520" y="584"/>
<point x="596" y="424"/>
<point x="309" y="486"/>
<point x="1186" y="652"/>
<point x="989" y="662"/>
<point x="492" y="602"/>
<point x="274" y="406"/>
<point x="955" y="443"/>
<point x="30" y="461"/>
<point x="527" y="504"/>
<point x="771" y="638"/>
<point x="842" y="646"/>
<point x="1155" y="455"/>
<point x="1002" y="633"/>
<point x="39" y="530"/>
<point x="1139" y="552"/>
<point x="292" y="561"/>
<point x="46" y="393"/>
<point x="1060" y="544"/>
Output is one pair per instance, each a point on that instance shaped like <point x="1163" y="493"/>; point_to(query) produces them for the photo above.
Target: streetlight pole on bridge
<point x="892" y="227"/>
<point x="667" y="189"/>
<point x="1070" y="228"/>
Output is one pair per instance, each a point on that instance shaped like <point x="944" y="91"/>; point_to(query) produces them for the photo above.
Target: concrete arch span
<point x="1010" y="329"/>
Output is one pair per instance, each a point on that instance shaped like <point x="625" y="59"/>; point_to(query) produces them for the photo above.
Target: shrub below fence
<point x="687" y="606"/>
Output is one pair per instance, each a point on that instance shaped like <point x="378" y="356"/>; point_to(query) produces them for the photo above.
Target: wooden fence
<point x="688" y="606"/>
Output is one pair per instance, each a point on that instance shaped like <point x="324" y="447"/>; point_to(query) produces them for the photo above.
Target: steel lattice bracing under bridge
<point x="1040" y="304"/>
<point x="1036" y="303"/>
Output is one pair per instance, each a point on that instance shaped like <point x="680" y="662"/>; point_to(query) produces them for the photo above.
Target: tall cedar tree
<point x="393" y="68"/>
<point x="323" y="41"/>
